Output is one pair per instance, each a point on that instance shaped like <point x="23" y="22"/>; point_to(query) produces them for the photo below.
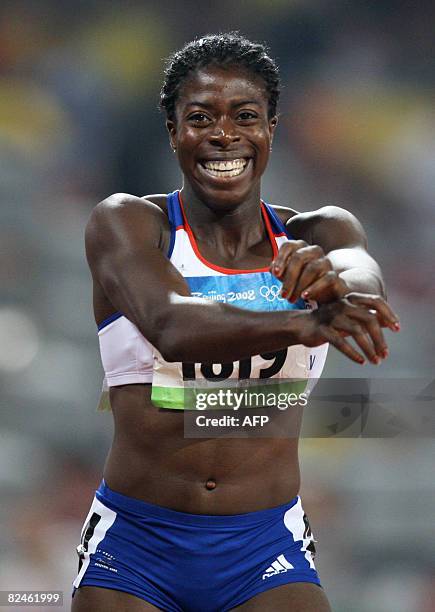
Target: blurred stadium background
<point x="79" y="84"/>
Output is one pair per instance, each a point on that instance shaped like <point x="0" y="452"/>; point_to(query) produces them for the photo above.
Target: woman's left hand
<point x="306" y="272"/>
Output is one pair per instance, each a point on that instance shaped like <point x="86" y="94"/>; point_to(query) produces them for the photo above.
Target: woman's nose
<point x="224" y="136"/>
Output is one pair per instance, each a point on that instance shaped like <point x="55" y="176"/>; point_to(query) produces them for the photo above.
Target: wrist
<point x="296" y="324"/>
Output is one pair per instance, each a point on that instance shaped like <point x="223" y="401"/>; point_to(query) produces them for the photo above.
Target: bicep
<point x="335" y="228"/>
<point x="342" y="238"/>
<point x="123" y="239"/>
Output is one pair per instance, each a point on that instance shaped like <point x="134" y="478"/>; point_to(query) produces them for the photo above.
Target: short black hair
<point x="223" y="49"/>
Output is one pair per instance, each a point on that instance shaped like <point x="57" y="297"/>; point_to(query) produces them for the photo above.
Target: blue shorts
<point x="192" y="562"/>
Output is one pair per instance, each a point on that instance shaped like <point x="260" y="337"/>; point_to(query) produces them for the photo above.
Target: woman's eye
<point x="247" y="115"/>
<point x="199" y="118"/>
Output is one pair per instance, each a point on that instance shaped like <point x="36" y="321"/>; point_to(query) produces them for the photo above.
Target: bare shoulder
<point x="124" y="219"/>
<point x="336" y="227"/>
<point x="125" y="204"/>
<point x="329" y="214"/>
<point x="327" y="226"/>
<point x="284" y="213"/>
<point x="159" y="199"/>
<point x="297" y="223"/>
<point x="122" y="210"/>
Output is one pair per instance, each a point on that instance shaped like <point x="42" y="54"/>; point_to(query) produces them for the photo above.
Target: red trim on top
<point x="220" y="268"/>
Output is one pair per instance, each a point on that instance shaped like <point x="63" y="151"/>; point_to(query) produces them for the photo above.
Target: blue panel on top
<point x="258" y="291"/>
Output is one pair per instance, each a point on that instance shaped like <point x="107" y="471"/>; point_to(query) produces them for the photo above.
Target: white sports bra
<point x="129" y="358"/>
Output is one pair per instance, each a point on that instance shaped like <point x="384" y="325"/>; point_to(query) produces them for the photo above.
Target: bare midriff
<point x="151" y="460"/>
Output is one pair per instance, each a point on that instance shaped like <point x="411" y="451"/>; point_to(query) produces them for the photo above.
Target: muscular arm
<point x="344" y="242"/>
<point x="330" y="261"/>
<point x="123" y="240"/>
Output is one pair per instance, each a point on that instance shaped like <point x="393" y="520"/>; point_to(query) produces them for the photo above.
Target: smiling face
<point x="222" y="134"/>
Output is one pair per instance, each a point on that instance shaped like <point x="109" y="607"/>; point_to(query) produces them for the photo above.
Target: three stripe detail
<point x="279" y="566"/>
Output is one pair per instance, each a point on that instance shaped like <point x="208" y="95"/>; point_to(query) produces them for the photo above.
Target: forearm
<point x="358" y="270"/>
<point x="364" y="280"/>
<point x="196" y="330"/>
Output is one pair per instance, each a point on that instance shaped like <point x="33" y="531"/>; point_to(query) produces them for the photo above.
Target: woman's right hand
<point x="359" y="316"/>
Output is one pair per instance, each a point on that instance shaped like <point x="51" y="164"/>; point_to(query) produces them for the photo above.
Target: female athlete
<point x="185" y="290"/>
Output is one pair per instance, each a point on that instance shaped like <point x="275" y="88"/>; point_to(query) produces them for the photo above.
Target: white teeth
<point x="231" y="167"/>
<point x="227" y="168"/>
<point x="226" y="172"/>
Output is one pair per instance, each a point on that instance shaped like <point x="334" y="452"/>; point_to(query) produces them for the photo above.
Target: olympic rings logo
<point x="270" y="293"/>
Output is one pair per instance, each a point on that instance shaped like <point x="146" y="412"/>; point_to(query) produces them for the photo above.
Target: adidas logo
<point x="280" y="566"/>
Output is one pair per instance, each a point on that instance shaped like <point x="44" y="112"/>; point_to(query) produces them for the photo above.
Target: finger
<point x="295" y="265"/>
<point x="360" y="336"/>
<point x="311" y="272"/>
<point x="343" y="345"/>
<point x="325" y="289"/>
<point x="279" y="264"/>
<point x="370" y="321"/>
<point x="387" y="317"/>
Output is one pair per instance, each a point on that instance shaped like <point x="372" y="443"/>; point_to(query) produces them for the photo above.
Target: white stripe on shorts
<point x="107" y="519"/>
<point x="294" y="521"/>
<point x="284" y="562"/>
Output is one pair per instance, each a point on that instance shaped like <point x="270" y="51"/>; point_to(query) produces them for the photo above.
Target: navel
<point x="210" y="484"/>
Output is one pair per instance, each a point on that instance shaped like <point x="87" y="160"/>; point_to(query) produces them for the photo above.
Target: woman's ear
<point x="172" y="131"/>
<point x="273" y="122"/>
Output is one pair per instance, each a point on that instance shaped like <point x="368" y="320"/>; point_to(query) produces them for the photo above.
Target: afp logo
<point x="270" y="293"/>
